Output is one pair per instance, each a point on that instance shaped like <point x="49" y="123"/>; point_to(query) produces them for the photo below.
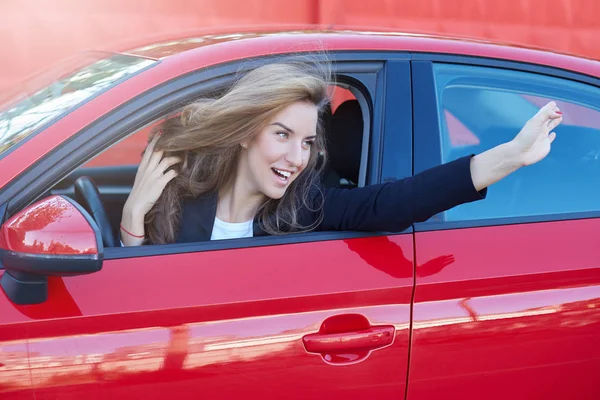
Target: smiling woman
<point x="250" y="163"/>
<point x="248" y="147"/>
<point x="281" y="149"/>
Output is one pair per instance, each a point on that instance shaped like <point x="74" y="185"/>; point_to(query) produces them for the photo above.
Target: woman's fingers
<point x="553" y="123"/>
<point x="553" y="116"/>
<point x="151" y="178"/>
<point x="548" y="112"/>
<point x="548" y="117"/>
<point x="167" y="162"/>
<point x="155" y="159"/>
<point x="149" y="151"/>
<point x="154" y="169"/>
<point x="159" y="176"/>
<point x="167" y="177"/>
<point x="146" y="166"/>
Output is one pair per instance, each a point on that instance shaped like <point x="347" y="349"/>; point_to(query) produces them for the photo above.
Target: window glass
<point x="20" y="119"/>
<point x="481" y="107"/>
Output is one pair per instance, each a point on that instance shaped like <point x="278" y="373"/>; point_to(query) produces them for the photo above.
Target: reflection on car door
<point x="227" y="323"/>
<point x="15" y="378"/>
<point x="520" y="304"/>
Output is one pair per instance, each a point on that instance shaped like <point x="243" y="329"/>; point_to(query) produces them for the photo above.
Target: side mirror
<point x="54" y="236"/>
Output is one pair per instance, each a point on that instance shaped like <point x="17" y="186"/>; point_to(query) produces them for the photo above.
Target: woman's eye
<point x="283" y="135"/>
<point x="309" y="144"/>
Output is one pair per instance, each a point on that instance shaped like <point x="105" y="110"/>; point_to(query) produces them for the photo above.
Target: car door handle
<point x="368" y="339"/>
<point x="348" y="338"/>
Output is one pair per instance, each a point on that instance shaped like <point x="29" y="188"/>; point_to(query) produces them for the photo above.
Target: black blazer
<point x="388" y="207"/>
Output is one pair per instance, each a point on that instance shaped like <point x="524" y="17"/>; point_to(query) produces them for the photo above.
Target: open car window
<point x="114" y="169"/>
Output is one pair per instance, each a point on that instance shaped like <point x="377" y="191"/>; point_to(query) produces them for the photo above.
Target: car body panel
<point x="125" y="330"/>
<point x="15" y="376"/>
<point x="518" y="311"/>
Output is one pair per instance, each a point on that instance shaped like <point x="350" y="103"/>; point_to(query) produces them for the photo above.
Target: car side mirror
<point x="54" y="236"/>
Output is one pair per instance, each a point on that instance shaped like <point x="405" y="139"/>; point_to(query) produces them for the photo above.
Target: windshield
<point x="20" y="119"/>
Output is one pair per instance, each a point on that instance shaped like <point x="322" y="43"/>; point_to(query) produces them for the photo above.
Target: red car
<point x="490" y="300"/>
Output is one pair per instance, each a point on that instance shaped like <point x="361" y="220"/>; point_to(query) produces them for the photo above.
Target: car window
<point x="481" y="107"/>
<point x="114" y="169"/>
<point x="19" y="119"/>
<point x="129" y="151"/>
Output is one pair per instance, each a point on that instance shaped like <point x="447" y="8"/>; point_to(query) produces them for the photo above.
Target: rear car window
<point x="32" y="110"/>
<point x="481" y="107"/>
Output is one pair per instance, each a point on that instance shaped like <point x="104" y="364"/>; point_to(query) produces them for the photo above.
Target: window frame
<point x="427" y="141"/>
<point x="362" y="68"/>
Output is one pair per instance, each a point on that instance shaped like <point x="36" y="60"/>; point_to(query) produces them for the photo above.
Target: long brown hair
<point x="207" y="135"/>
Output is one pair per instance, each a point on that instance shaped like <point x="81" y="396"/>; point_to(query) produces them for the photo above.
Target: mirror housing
<point x="54" y="236"/>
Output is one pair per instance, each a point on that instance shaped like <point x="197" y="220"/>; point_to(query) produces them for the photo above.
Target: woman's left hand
<point x="534" y="140"/>
<point x="530" y="146"/>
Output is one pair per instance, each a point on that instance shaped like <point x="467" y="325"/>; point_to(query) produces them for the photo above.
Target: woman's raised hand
<point x="530" y="145"/>
<point x="151" y="178"/>
<point x="534" y="140"/>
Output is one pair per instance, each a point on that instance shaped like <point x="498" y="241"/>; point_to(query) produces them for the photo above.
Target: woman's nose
<point x="294" y="155"/>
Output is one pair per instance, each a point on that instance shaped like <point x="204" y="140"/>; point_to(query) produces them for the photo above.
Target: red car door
<point x="517" y="313"/>
<point x="311" y="316"/>
<point x="15" y="377"/>
<point x="266" y="322"/>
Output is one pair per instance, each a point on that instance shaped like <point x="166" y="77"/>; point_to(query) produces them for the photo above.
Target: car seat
<point x="344" y="146"/>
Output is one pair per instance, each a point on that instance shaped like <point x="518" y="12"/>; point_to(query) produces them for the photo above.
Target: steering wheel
<point x="88" y="196"/>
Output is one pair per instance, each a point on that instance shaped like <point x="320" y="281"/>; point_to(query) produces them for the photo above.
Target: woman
<point x="247" y="164"/>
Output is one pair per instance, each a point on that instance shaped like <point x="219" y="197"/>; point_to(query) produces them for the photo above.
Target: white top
<point x="231" y="230"/>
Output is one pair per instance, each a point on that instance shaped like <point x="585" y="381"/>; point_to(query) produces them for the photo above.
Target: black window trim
<point x="507" y="64"/>
<point x="397" y="156"/>
<point x="131" y="116"/>
<point x="424" y="95"/>
<point x="113" y="253"/>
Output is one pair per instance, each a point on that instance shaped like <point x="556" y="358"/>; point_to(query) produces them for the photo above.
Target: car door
<point x="517" y="312"/>
<point x="15" y="378"/>
<point x="305" y="316"/>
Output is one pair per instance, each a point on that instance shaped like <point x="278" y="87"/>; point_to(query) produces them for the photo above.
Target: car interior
<point x="103" y="189"/>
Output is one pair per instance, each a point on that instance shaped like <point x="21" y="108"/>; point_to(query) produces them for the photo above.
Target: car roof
<point x="305" y="38"/>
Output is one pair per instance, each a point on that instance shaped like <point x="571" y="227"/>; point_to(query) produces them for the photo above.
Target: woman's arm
<point x="150" y="180"/>
<point x="394" y="206"/>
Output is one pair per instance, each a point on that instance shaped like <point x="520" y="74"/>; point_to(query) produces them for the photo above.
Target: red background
<point x="36" y="33"/>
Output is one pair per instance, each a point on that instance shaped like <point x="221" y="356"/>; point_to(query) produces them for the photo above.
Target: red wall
<point x="35" y="33"/>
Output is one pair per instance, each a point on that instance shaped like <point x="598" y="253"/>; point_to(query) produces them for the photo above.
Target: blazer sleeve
<point x="395" y="206"/>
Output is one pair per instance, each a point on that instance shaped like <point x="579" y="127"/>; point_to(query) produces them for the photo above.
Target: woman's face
<point x="275" y="157"/>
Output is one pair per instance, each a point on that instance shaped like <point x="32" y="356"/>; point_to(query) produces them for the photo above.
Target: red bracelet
<point x="131" y="234"/>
